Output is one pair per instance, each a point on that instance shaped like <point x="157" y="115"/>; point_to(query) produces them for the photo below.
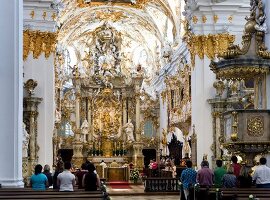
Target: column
<point x="90" y="135"/>
<point x="267" y="42"/>
<point x="138" y="113"/>
<point x="11" y="93"/>
<point x="202" y="90"/>
<point x="124" y="99"/>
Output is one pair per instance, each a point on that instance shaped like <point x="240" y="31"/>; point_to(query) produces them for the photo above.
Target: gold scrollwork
<point x="38" y="42"/>
<point x="254" y="26"/>
<point x="255" y="126"/>
<point x="208" y="45"/>
<point x="140" y="4"/>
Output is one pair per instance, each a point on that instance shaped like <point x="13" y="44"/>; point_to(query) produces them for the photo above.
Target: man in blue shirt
<point x="188" y="178"/>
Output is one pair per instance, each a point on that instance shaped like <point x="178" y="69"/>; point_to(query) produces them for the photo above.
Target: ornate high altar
<point x="105" y="110"/>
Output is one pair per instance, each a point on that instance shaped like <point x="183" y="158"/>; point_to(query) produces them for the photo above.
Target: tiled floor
<point x="137" y="192"/>
<point x="135" y="197"/>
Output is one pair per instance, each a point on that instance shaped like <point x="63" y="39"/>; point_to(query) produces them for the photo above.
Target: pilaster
<point x="11" y="87"/>
<point x="39" y="20"/>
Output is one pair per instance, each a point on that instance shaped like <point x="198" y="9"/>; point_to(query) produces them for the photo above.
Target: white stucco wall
<point x="42" y="70"/>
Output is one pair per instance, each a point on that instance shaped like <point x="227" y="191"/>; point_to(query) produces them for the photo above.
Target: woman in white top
<point x="66" y="180"/>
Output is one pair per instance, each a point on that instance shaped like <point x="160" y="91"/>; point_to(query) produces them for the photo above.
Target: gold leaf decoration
<point x="208" y="45"/>
<point x="38" y="42"/>
<point x="140" y="4"/>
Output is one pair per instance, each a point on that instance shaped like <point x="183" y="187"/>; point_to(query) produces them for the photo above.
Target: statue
<point x="186" y="147"/>
<point x="167" y="51"/>
<point x="164" y="142"/>
<point x="57" y="116"/>
<point x="129" y="128"/>
<point x="106" y="64"/>
<point x="84" y="129"/>
<point x="26" y="138"/>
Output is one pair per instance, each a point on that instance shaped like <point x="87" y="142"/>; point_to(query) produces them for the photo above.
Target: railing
<point x="161" y="184"/>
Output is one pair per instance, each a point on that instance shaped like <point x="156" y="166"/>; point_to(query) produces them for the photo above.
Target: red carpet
<point x="119" y="185"/>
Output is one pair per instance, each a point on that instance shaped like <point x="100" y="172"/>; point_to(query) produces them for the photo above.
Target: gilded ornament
<point x="44" y="15"/>
<point x="230" y="18"/>
<point x="255" y="27"/>
<point x="255" y="126"/>
<point x="204" y="19"/>
<point x="53" y="16"/>
<point x="195" y="19"/>
<point x="215" y="18"/>
<point x="38" y="42"/>
<point x="209" y="45"/>
<point x="112" y="16"/>
<point x="140" y="4"/>
<point x="32" y="14"/>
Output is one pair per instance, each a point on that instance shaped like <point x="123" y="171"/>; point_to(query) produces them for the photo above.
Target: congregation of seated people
<point x="234" y="175"/>
<point x="65" y="178"/>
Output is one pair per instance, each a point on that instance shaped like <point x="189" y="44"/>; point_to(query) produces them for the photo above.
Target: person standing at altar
<point x="104" y="165"/>
<point x="114" y="164"/>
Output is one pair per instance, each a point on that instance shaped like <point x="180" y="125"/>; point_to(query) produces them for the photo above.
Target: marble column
<point x="11" y="88"/>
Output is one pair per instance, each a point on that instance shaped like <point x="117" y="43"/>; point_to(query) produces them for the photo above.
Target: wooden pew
<point x="50" y="194"/>
<point x="232" y="193"/>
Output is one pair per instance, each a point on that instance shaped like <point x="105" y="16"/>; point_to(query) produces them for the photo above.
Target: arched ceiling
<point x="144" y="25"/>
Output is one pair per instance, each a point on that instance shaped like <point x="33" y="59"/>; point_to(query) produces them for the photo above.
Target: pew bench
<point x="50" y="194"/>
<point x="232" y="193"/>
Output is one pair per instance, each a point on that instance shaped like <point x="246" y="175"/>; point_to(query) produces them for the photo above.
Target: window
<point x="149" y="129"/>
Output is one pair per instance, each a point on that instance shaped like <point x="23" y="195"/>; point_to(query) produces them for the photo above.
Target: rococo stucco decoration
<point x="38" y="42"/>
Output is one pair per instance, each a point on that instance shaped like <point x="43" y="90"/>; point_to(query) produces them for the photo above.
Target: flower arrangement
<point x="135" y="174"/>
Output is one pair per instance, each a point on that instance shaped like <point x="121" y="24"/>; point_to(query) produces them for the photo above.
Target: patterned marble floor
<point x="135" y="197"/>
<point x="137" y="192"/>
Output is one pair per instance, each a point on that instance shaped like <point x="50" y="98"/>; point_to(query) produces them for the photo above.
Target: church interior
<point x="132" y="83"/>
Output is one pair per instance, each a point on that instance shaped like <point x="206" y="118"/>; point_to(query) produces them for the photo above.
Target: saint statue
<point x="57" y="116"/>
<point x="84" y="129"/>
<point x="186" y="147"/>
<point x="164" y="142"/>
<point x="129" y="128"/>
<point x="26" y="138"/>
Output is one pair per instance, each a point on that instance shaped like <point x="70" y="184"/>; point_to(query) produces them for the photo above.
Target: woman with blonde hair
<point x="229" y="180"/>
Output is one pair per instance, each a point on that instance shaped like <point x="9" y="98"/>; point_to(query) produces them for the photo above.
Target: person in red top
<point x="236" y="166"/>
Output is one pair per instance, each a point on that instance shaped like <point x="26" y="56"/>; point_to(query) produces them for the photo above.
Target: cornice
<point x="38" y="15"/>
<point x="213" y="18"/>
